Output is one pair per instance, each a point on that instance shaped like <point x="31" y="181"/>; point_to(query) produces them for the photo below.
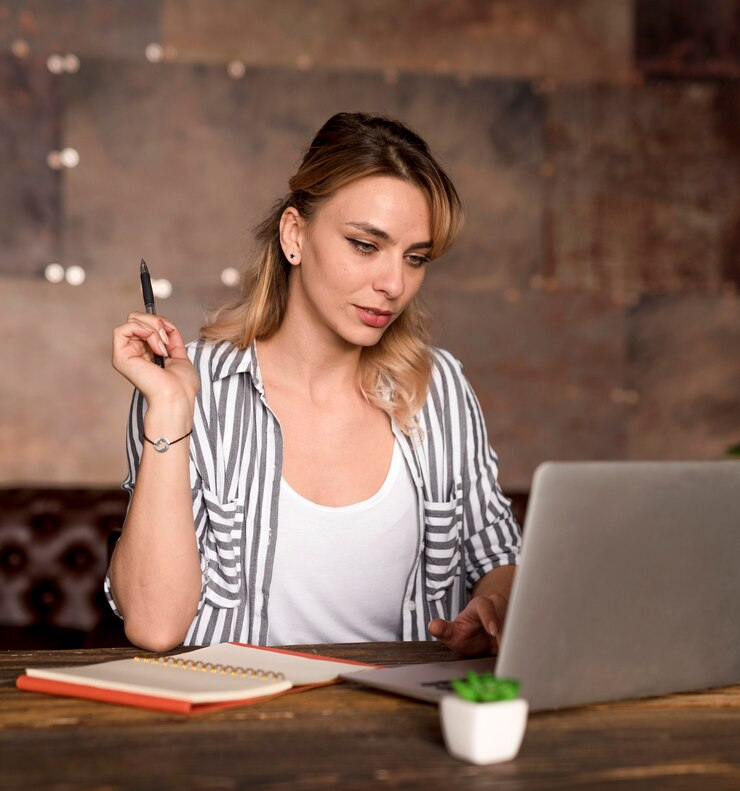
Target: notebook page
<point x="195" y="686"/>
<point x="300" y="669"/>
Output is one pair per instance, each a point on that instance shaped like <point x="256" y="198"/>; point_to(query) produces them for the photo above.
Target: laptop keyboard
<point x="442" y="686"/>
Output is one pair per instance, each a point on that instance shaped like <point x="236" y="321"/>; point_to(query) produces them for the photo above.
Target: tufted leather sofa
<point x="54" y="549"/>
<point x="55" y="544"/>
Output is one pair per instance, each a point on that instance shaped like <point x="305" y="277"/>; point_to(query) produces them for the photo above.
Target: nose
<point x="390" y="277"/>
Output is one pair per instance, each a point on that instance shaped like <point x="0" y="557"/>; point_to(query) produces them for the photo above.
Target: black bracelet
<point x="162" y="445"/>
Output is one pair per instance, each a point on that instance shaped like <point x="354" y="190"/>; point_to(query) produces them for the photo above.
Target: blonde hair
<point x="395" y="372"/>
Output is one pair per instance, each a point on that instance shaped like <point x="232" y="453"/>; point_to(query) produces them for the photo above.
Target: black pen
<point x="146" y="289"/>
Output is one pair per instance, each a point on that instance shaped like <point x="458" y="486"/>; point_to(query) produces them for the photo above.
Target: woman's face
<point x="360" y="260"/>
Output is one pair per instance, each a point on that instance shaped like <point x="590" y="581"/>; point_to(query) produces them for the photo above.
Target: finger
<point x="462" y="637"/>
<point x="476" y="627"/>
<point x="154" y="339"/>
<point x="168" y="332"/>
<point x="486" y="614"/>
<point x="145" y="318"/>
<point x="176" y="345"/>
<point x="158" y="338"/>
<point x="131" y="329"/>
<point x="151" y="318"/>
<point x="134" y="329"/>
<point x="441" y="629"/>
<point x="158" y="323"/>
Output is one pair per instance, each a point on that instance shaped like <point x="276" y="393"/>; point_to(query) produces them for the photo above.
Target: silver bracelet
<point x="162" y="445"/>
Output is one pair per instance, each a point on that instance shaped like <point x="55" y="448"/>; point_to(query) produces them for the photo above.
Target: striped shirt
<point x="465" y="526"/>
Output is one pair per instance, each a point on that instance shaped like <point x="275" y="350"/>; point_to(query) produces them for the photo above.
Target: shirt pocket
<point x="223" y="550"/>
<point x="442" y="540"/>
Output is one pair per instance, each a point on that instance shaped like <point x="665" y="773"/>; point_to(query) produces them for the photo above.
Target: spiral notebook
<point x="215" y="677"/>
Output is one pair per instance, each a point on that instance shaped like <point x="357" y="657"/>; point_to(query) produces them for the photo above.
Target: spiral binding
<point x="211" y="667"/>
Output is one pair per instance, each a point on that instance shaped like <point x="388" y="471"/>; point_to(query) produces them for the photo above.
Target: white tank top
<point x="340" y="573"/>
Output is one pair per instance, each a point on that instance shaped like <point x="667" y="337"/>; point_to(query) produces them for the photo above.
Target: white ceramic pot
<point x="483" y="733"/>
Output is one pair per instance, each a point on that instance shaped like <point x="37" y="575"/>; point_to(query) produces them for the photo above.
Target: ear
<point x="291" y="234"/>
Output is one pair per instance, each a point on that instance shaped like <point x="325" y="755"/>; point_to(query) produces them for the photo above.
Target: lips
<point x="373" y="317"/>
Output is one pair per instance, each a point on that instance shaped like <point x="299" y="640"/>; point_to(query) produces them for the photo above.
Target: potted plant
<point x="484" y="721"/>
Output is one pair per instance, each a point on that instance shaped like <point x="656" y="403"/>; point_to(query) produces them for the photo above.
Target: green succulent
<point x="485" y="688"/>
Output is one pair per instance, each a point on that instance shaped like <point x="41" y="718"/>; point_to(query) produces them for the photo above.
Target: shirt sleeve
<point x="492" y="535"/>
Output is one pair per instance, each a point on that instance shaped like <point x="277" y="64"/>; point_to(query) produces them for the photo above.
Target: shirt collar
<point x="229" y="360"/>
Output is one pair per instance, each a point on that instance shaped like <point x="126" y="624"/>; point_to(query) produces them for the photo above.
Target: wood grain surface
<point x="345" y="737"/>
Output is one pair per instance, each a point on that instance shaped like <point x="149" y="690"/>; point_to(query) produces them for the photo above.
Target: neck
<point x="304" y="357"/>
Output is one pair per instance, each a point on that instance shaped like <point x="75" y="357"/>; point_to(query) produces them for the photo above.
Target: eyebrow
<point x="379" y="233"/>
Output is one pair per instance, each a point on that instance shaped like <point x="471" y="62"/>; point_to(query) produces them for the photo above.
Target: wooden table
<point x="346" y="738"/>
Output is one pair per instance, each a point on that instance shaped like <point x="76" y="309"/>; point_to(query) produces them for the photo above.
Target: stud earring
<point x="291" y="256"/>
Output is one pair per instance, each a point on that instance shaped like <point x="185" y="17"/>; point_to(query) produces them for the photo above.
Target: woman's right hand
<point x="134" y="345"/>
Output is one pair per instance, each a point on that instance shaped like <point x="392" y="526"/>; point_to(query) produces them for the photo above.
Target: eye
<point x="417" y="261"/>
<point x="364" y="248"/>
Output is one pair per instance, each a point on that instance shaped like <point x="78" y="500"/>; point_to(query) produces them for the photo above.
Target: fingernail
<point x="492" y="629"/>
<point x="162" y="350"/>
<point x="163" y="336"/>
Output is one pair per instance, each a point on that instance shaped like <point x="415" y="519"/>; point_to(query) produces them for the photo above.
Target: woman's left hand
<point x="476" y="630"/>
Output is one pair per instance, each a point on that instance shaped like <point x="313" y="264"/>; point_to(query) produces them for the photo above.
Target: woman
<point x="338" y="484"/>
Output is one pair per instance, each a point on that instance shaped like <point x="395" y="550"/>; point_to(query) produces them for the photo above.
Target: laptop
<point x="628" y="586"/>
